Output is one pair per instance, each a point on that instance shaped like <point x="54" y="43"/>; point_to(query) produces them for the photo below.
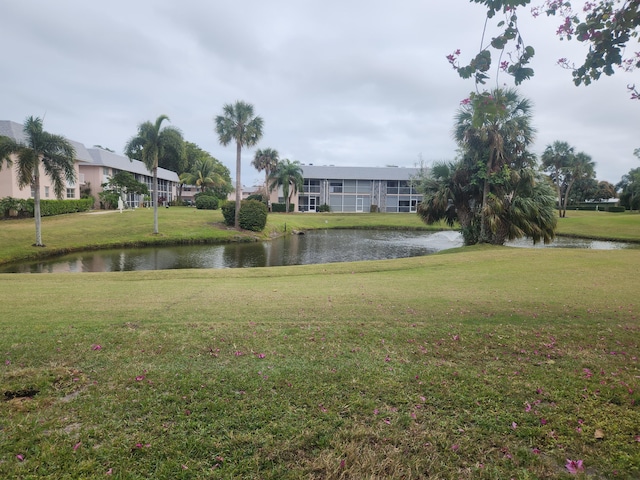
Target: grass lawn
<point x="477" y="363"/>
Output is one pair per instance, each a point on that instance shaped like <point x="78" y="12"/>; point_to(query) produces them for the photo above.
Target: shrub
<point x="616" y="209"/>
<point x="324" y="208"/>
<point x="58" y="207"/>
<point x="229" y="213"/>
<point x="281" y="207"/>
<point x="259" y="197"/>
<point x="206" y="202"/>
<point x="13" y="207"/>
<point x="253" y="215"/>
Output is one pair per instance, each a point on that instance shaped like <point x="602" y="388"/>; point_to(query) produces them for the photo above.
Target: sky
<point x="337" y="82"/>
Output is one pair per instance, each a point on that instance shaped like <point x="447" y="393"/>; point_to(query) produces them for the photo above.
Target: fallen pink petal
<point x="574" y="466"/>
<point x="96" y="347"/>
<point x="20" y="457"/>
<point x="455" y="447"/>
<point x="109" y="472"/>
<point x="77" y="446"/>
<point x="139" y="378"/>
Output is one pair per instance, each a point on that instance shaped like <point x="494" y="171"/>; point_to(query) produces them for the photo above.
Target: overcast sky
<point x="337" y="82"/>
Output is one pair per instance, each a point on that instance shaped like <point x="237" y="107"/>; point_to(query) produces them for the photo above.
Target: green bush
<point x="48" y="208"/>
<point x="324" y="208"/>
<point x="13" y="207"/>
<point x="257" y="196"/>
<point x="59" y="207"/>
<point x="281" y="207"/>
<point x="616" y="209"/>
<point x="229" y="213"/>
<point x="253" y="215"/>
<point x="206" y="202"/>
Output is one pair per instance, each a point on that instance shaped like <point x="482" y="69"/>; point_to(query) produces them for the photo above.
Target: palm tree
<point x="154" y="144"/>
<point x="238" y="123"/>
<point x="580" y="166"/>
<point x="494" y="129"/>
<point x="555" y="160"/>
<point x="265" y="160"/>
<point x="449" y="195"/>
<point x="288" y="175"/>
<point x="53" y="152"/>
<point x="203" y="175"/>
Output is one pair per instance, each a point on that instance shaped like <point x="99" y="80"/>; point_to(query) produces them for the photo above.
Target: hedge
<point x="48" y="208"/>
<point x="281" y="207"/>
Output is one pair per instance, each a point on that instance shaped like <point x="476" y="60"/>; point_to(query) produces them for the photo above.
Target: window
<point x="392" y="187"/>
<point x="335" y="187"/>
<point x="312" y="186"/>
<point x="46" y="192"/>
<point x="105" y="170"/>
<point x="71" y="193"/>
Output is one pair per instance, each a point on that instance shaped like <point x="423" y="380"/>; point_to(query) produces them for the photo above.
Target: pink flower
<point x="261" y="355"/>
<point x="139" y="378"/>
<point x="7" y="362"/>
<point x="465" y="101"/>
<point x="376" y="411"/>
<point x="387" y="421"/>
<point x="238" y="353"/>
<point x="184" y="467"/>
<point x="574" y="466"/>
<point x="109" y="472"/>
<point x="536" y="451"/>
<point x="20" y="457"/>
<point x="543" y="421"/>
<point x="527" y="408"/>
<point x="514" y="425"/>
<point x="95" y="346"/>
<point x="77" y="446"/>
<point x="455" y="447"/>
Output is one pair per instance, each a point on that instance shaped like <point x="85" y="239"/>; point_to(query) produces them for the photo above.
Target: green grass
<point x="484" y="362"/>
<point x="601" y="225"/>
<point x="411" y="368"/>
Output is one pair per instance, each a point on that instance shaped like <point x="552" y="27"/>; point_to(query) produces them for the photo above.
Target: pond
<point x="320" y="246"/>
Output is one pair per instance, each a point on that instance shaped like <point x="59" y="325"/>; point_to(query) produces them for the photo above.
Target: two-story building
<point x="94" y="167"/>
<point x="356" y="189"/>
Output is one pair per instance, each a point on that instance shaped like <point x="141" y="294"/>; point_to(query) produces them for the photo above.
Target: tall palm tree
<point x="238" y="123"/>
<point x="151" y="145"/>
<point x="53" y="152"/>
<point x="556" y="158"/>
<point x="288" y="175"/>
<point x="494" y="128"/>
<point x="265" y="159"/>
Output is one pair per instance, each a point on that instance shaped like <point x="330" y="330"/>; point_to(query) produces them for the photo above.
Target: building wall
<point x="358" y="196"/>
<point x="9" y="185"/>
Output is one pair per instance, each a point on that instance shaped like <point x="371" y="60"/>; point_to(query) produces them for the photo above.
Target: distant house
<point x="94" y="166"/>
<point x="356" y="189"/>
<point x="9" y="179"/>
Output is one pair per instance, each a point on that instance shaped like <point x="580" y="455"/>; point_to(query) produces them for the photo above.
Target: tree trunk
<point x="566" y="198"/>
<point x="238" y="185"/>
<point x="36" y="205"/>
<point x="484" y="236"/>
<point x="155" y="199"/>
<point x="559" y="193"/>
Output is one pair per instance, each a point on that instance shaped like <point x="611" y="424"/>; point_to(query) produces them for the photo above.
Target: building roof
<point x="358" y="173"/>
<point x="16" y="132"/>
<point x="105" y="158"/>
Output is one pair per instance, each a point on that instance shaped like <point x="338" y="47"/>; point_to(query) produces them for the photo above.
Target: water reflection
<point x="324" y="246"/>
